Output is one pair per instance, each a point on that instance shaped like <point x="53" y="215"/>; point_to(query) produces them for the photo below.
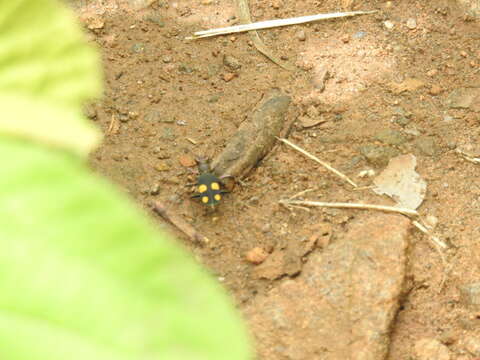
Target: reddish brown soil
<point x="150" y="66"/>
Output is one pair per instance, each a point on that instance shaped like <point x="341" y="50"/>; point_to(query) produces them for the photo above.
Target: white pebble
<point x="388" y="24"/>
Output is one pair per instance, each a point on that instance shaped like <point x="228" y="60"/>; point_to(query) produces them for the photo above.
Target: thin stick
<point x="245" y="17"/>
<point x="437" y="244"/>
<point x="467" y="157"/>
<point x="323" y="163"/>
<point x="404" y="211"/>
<point x="179" y="223"/>
<point x="297" y="195"/>
<point x="434" y="239"/>
<point x="274" y="23"/>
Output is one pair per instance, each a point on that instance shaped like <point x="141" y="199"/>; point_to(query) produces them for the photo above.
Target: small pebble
<point x="187" y="160"/>
<point x="411" y="23"/>
<point x="162" y="166"/>
<point x="345" y="39"/>
<point x="231" y="62"/>
<point x="432" y="72"/>
<point x="388" y="24"/>
<point x="435" y="90"/>
<point x="256" y="255"/>
<point x="228" y="77"/>
<point x="360" y="34"/>
<point x="300" y="35"/>
<point x="155" y="189"/>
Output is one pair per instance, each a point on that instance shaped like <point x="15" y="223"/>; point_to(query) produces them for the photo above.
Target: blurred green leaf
<point x="46" y="72"/>
<point x="84" y="276"/>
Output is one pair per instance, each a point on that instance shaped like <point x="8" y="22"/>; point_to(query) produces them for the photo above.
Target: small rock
<point x="432" y="72"/>
<point x="410" y="84"/>
<point x="167" y="59"/>
<point x="93" y="22"/>
<point x="320" y="76"/>
<point x="429" y="349"/>
<point x="231" y="63"/>
<point x="155" y="189"/>
<point x="359" y="35"/>
<point x="155" y="115"/>
<point x="90" y="111"/>
<point x="435" y="90"/>
<point x="168" y="134"/>
<point x="465" y="98"/>
<point x="427" y="146"/>
<point x="276" y="4"/>
<point x="472" y="345"/>
<point x="411" y="23"/>
<point x="470" y="294"/>
<point x="214" y="98"/>
<point x="162" y="166"/>
<point x="378" y="155"/>
<point x="187" y="160"/>
<point x="391" y="137"/>
<point x="345" y="39"/>
<point x="300" y="35"/>
<point x="256" y="255"/>
<point x="228" y="77"/>
<point x="155" y="19"/>
<point x="388" y="24"/>
<point x="138" y="47"/>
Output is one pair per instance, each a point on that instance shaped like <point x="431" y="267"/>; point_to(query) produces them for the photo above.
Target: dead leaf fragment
<point x="401" y="182"/>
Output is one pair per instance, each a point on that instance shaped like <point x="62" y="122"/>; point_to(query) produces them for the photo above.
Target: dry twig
<point x="273" y="23"/>
<point x="179" y="223"/>
<point x="323" y="163"/>
<point x="404" y="211"/>
<point x="244" y="15"/>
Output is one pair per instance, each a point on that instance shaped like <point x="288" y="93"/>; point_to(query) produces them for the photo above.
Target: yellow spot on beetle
<point x="215" y="186"/>
<point x="217" y="197"/>
<point x="202" y="188"/>
<point x="205" y="199"/>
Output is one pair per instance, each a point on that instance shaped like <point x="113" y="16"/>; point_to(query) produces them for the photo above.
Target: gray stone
<point x="471" y="294"/>
<point x="378" y="155"/>
<point x="343" y="303"/>
<point x="138" y="47"/>
<point x="465" y="98"/>
<point x="231" y="63"/>
<point x="426" y="145"/>
<point x="391" y="137"/>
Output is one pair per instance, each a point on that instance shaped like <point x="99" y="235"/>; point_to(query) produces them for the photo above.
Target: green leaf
<point x="46" y="72"/>
<point x="84" y="276"/>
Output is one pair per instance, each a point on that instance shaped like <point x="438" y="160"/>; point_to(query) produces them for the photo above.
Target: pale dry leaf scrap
<point x="401" y="182"/>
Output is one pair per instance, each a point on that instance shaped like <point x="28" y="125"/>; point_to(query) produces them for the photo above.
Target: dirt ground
<point x="392" y="87"/>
